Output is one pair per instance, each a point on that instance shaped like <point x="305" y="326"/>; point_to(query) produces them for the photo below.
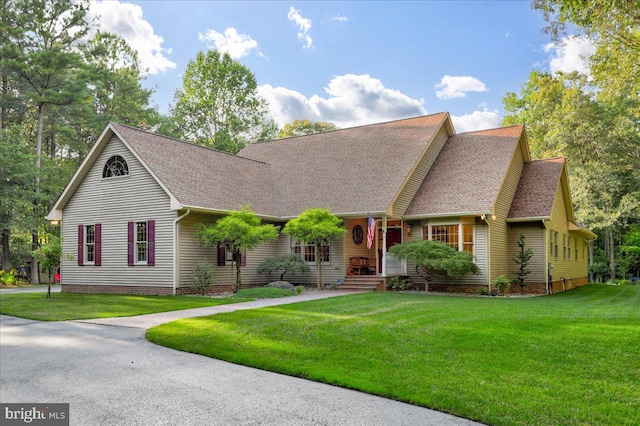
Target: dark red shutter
<point x="243" y="258"/>
<point x="80" y="245"/>
<point x="130" y="236"/>
<point x="151" y="243"/>
<point x="222" y="256"/>
<point x="98" y="245"/>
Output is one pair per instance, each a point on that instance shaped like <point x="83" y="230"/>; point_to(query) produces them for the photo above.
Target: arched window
<point x="116" y="166"/>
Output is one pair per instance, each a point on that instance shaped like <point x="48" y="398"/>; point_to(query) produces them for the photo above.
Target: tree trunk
<point x="238" y="259"/>
<point x="591" y="278"/>
<point x="6" y="259"/>
<point x="35" y="275"/>
<point x="319" y="266"/>
<point x="612" y="253"/>
<point x="2" y="99"/>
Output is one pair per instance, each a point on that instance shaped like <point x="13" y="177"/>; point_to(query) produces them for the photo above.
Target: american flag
<point x="371" y="232"/>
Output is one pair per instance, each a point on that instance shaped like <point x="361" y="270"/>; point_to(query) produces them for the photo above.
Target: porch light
<point x="55" y="222"/>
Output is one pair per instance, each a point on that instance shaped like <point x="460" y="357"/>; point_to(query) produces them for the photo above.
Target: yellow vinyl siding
<point x="413" y="183"/>
<point x="568" y="267"/>
<point x="500" y="263"/>
<point x="534" y="240"/>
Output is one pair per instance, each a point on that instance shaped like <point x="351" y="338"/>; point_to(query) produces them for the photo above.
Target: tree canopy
<point x="435" y="259"/>
<point x="218" y="105"/>
<point x="317" y="227"/>
<point x="305" y="127"/>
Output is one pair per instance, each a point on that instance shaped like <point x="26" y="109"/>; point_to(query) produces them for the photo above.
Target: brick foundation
<point x="531" y="288"/>
<point x="140" y="290"/>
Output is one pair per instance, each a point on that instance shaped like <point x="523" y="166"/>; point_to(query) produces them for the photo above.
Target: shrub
<point x="203" y="278"/>
<point x="398" y="284"/>
<point x="7" y="278"/>
<point x="482" y="291"/>
<point x="435" y="259"/>
<point x="284" y="264"/>
<point x="502" y="284"/>
<point x="626" y="282"/>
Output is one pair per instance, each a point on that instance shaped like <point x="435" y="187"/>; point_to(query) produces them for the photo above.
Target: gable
<point x="537" y="189"/>
<point x="87" y="166"/>
<point x="203" y="178"/>
<point x="468" y="174"/>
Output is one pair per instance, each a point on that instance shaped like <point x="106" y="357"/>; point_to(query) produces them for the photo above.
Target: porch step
<point x="362" y="282"/>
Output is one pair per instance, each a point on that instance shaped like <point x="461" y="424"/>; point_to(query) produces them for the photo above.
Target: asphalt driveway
<point x="111" y="375"/>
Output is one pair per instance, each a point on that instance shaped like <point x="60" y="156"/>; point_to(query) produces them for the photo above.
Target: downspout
<point x="175" y="250"/>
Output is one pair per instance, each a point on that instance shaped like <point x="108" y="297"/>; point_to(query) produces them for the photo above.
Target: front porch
<point x="370" y="257"/>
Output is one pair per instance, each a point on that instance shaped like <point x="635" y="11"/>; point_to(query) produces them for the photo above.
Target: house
<point x="129" y="213"/>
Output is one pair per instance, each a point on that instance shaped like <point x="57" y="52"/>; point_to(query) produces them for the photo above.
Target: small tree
<point x="49" y="255"/>
<point x="435" y="259"/>
<point x="237" y="232"/>
<point x="522" y="258"/>
<point x="317" y="227"/>
<point x="287" y="263"/>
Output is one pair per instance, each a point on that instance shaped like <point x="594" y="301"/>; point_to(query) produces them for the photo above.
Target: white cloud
<point x="126" y="20"/>
<point x="304" y="25"/>
<point x="477" y="120"/>
<point x="236" y="45"/>
<point x="352" y="100"/>
<point x="572" y="54"/>
<point x="457" y="86"/>
<point x="340" y="18"/>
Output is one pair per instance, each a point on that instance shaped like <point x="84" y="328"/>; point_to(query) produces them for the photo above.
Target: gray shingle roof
<point x="537" y="189"/>
<point x="355" y="170"/>
<point x="468" y="173"/>
<point x="203" y="177"/>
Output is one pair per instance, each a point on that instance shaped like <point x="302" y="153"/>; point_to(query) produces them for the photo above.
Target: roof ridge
<point x="171" y="138"/>
<point x="560" y="157"/>
<point x="492" y="129"/>
<point x="354" y="127"/>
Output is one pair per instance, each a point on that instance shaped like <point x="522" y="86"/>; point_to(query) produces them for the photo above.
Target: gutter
<point x="175" y="250"/>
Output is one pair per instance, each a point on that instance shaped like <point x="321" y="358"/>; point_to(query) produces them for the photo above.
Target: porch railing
<point x="395" y="266"/>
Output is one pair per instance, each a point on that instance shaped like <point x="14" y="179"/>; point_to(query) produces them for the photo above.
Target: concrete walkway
<point x="110" y="374"/>
<point x="151" y="320"/>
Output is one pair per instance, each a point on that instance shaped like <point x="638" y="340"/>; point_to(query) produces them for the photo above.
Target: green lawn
<point x="567" y="359"/>
<point x="68" y="306"/>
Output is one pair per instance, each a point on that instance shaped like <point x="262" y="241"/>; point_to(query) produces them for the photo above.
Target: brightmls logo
<point x="35" y="414"/>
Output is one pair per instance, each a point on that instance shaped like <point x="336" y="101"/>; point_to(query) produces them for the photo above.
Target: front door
<point x="394" y="236"/>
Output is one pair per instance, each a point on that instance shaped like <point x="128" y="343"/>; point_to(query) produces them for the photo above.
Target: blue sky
<point x="352" y="63"/>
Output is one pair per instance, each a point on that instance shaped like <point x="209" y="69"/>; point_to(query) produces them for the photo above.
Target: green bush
<point x="7" y="278"/>
<point x="203" y="278"/>
<point x="502" y="284"/>
<point x="398" y="284"/>
<point x="625" y="282"/>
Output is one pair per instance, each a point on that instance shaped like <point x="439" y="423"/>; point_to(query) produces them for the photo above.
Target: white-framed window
<point x="459" y="236"/>
<point x="115" y="166"/>
<point x="89" y="244"/>
<point x="141" y="243"/>
<point x="308" y="252"/>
